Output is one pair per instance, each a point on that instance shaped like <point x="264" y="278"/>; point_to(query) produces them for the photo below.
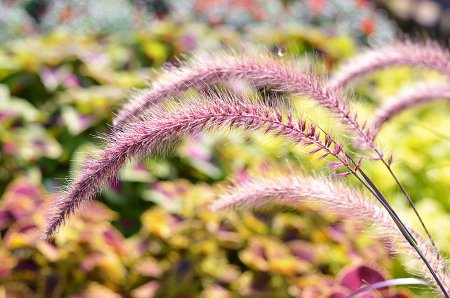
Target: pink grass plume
<point x="406" y="99"/>
<point x="262" y="70"/>
<point x="429" y="55"/>
<point x="334" y="196"/>
<point x="166" y="126"/>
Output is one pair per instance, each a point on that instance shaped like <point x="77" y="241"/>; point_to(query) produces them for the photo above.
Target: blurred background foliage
<point x="65" y="68"/>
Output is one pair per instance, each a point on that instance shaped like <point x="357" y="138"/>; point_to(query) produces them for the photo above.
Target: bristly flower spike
<point x="203" y="71"/>
<point x="296" y="190"/>
<point x="428" y="55"/>
<point x="164" y="127"/>
<point x="408" y="98"/>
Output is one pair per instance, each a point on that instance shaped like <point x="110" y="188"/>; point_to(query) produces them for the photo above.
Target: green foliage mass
<point x="151" y="235"/>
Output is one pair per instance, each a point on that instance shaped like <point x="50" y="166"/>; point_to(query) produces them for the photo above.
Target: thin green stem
<point x="438" y="255"/>
<point x="411" y="203"/>
<point x="374" y="190"/>
<point x="361" y="132"/>
<point x="405" y="233"/>
<point x="388" y="207"/>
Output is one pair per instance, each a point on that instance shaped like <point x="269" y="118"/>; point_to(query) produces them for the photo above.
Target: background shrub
<point x="150" y="234"/>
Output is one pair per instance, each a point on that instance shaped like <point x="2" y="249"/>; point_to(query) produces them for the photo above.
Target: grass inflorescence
<point x="158" y="117"/>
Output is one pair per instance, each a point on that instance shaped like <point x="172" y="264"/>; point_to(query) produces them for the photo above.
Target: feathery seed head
<point x="201" y="72"/>
<point x="297" y="190"/>
<point x="408" y="98"/>
<point x="428" y="55"/>
<point x="165" y="126"/>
